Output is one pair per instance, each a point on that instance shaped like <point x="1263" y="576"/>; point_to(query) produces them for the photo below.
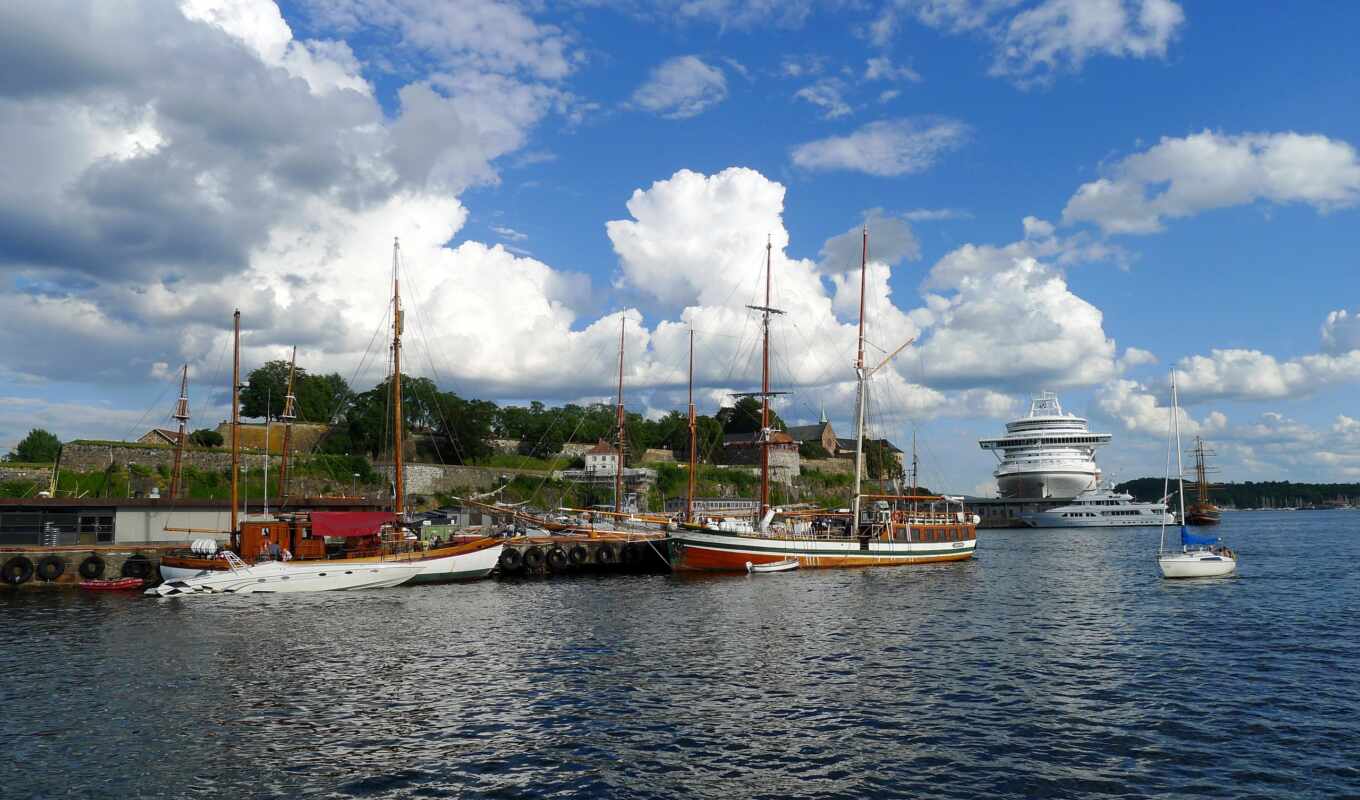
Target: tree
<point x="744" y="417"/>
<point x="320" y="397"/>
<point x="812" y="449"/>
<point x="466" y="427"/>
<point x="267" y="383"/>
<point x="880" y="460"/>
<point x="38" y="447"/>
<point x="206" y="437"/>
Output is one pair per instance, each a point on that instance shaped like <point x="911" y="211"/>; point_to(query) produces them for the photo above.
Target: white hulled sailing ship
<point x="879" y="530"/>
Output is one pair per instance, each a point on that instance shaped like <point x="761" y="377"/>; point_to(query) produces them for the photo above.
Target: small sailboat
<point x="1199" y="556"/>
<point x="774" y="566"/>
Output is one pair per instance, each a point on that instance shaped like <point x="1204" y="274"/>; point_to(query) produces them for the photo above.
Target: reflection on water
<point x="1056" y="663"/>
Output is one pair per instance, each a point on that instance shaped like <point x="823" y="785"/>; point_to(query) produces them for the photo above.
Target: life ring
<point x="533" y="558"/>
<point x="510" y="560"/>
<point x="17" y="570"/>
<point x="578" y="554"/>
<point x="557" y="559"/>
<point x="92" y="568"/>
<point x="50" y="568"/>
<point x="137" y="566"/>
<point x="605" y="555"/>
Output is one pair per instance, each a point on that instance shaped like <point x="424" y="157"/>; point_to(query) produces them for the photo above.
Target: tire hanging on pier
<point x="579" y="555"/>
<point x="510" y="560"/>
<point x="92" y="568"/>
<point x="604" y="554"/>
<point x="557" y="559"/>
<point x="17" y="570"/>
<point x="533" y="558"/>
<point x="50" y="568"/>
<point x="137" y="566"/>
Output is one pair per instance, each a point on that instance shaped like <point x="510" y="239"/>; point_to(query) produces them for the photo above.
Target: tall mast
<point x="235" y="413"/>
<point x="620" y="421"/>
<point x="765" y="393"/>
<point x="764" y="439"/>
<point x="288" y="415"/>
<point x="181" y="414"/>
<point x="399" y="490"/>
<point x="267" y="417"/>
<point x="860" y="374"/>
<point x="1180" y="469"/>
<point x="693" y="434"/>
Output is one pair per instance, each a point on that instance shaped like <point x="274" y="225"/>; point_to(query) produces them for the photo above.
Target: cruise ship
<point x="1046" y="453"/>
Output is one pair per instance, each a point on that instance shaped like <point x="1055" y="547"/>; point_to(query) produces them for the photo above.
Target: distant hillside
<point x="1250" y="494"/>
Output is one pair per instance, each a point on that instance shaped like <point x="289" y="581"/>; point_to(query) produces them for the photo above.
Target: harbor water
<point x="1056" y="664"/>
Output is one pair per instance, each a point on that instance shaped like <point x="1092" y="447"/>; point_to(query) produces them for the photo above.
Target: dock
<point x="601" y="553"/>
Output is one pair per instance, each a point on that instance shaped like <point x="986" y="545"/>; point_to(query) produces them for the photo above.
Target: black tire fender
<point x="136" y="566"/>
<point x="557" y="559"/>
<point x="17" y="570"/>
<point x="578" y="554"/>
<point x="50" y="568"/>
<point x="510" y="559"/>
<point x="605" y="554"/>
<point x="533" y="558"/>
<point x="92" y="568"/>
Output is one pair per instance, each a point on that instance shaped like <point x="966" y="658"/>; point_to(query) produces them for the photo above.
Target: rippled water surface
<point x="1056" y="664"/>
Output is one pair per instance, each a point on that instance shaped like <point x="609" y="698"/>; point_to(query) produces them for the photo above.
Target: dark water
<point x="1056" y="664"/>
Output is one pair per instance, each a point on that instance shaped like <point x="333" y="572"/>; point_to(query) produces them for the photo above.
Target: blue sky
<point x="1188" y="173"/>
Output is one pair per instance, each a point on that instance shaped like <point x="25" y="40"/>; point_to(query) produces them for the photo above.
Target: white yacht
<point x="1101" y="508"/>
<point x="1046" y="453"/>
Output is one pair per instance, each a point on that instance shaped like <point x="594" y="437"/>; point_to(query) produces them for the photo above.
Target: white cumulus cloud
<point x="1180" y="177"/>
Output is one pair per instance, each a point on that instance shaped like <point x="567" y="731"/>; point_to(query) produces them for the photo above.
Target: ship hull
<point x="461" y="562"/>
<point x="1047" y="484"/>
<point x="715" y="551"/>
<point x="1203" y="515"/>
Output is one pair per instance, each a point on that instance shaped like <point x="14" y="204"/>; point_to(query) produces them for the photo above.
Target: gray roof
<point x="805" y="433"/>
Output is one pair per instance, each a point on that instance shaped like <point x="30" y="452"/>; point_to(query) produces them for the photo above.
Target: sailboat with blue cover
<point x="1198" y="556"/>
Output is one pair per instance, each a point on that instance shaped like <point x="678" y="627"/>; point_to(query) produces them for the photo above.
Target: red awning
<point x="349" y="523"/>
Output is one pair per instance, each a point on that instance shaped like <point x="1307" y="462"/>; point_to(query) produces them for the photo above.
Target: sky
<point x="1079" y="196"/>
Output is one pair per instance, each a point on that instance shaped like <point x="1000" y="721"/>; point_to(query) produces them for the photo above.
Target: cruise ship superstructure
<point x="1046" y="453"/>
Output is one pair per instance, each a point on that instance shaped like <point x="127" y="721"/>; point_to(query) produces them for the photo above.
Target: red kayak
<point x="121" y="584"/>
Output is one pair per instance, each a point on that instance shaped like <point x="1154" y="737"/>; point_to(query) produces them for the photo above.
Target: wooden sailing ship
<point x="1203" y="511"/>
<point x="878" y="530"/>
<point x="346" y="538"/>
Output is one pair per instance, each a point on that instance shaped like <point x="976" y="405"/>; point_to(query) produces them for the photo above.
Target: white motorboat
<point x="774" y="566"/>
<point x="1101" y="508"/>
<point x="1199" y="556"/>
<point x="279" y="577"/>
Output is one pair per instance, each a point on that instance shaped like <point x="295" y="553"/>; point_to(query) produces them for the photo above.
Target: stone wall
<point x="511" y="447"/>
<point x="839" y="466"/>
<point x="96" y="457"/>
<point x="431" y="478"/>
<point x="40" y="475"/>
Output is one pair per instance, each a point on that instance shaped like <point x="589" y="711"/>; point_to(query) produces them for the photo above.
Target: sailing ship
<point x="1202" y="511"/>
<point x="1199" y="556"/>
<point x="878" y="530"/>
<point x="355" y="537"/>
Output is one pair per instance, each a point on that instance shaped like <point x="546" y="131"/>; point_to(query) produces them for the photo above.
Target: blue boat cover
<point x="1188" y="538"/>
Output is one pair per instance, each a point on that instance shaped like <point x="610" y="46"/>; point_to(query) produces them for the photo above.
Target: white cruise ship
<point x="1046" y="453"/>
<point x="1101" y="508"/>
